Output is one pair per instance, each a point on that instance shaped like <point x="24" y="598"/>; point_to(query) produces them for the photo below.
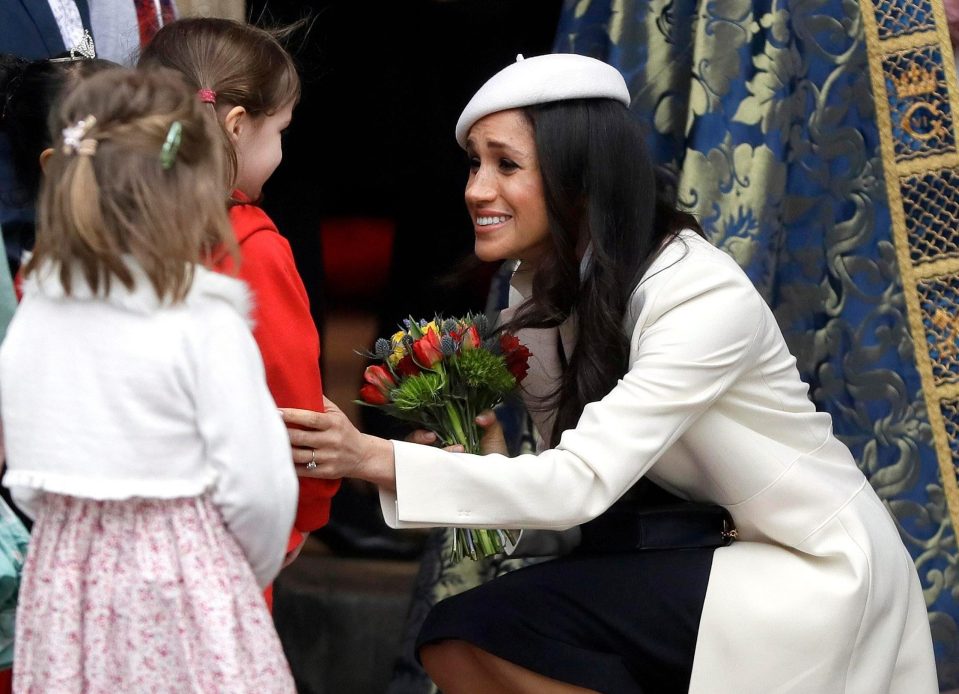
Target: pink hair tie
<point x="207" y="96"/>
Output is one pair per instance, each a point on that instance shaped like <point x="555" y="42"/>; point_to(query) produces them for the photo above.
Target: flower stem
<point x="456" y="425"/>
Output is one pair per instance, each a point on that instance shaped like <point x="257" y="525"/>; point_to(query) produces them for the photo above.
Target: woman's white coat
<point x="818" y="595"/>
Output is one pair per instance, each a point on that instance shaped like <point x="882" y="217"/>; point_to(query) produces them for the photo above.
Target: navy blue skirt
<point x="623" y="623"/>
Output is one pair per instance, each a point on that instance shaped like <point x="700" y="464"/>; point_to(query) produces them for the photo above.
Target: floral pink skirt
<point x="141" y="596"/>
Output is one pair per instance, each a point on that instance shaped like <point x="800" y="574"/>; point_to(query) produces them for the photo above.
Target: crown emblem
<point x="83" y="50"/>
<point x="915" y="81"/>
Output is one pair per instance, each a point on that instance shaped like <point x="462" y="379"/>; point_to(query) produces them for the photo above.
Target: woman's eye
<point x="508" y="165"/>
<point x="474" y="163"/>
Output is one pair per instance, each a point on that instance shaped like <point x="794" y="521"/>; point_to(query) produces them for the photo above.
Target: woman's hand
<point x="491" y="441"/>
<point x="338" y="449"/>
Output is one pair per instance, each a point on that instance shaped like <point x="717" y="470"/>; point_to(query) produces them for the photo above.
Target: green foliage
<point x="419" y="392"/>
<point x="481" y="369"/>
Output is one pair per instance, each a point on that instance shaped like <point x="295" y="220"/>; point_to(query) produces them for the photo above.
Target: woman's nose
<point x="479" y="188"/>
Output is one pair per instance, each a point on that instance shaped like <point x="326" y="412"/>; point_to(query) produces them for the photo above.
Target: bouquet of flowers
<point x="439" y="375"/>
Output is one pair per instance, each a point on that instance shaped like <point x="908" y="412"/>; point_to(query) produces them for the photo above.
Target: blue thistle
<point x="482" y="325"/>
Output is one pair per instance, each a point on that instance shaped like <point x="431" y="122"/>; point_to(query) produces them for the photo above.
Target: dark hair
<point x="244" y="65"/>
<point x="122" y="191"/>
<point x="602" y="192"/>
<point x="29" y="91"/>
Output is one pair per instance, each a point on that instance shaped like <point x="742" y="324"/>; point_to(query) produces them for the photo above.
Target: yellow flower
<point x="398" y="353"/>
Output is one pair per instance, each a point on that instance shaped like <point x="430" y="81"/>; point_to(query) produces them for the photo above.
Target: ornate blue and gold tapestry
<point x="815" y="141"/>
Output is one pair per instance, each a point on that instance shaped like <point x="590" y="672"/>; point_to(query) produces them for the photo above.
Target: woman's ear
<point x="234" y="122"/>
<point x="45" y="157"/>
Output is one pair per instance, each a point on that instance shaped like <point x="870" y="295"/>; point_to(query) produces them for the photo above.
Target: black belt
<point x="677" y="526"/>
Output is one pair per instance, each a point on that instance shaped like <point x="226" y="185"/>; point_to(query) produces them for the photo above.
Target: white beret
<point x="539" y="80"/>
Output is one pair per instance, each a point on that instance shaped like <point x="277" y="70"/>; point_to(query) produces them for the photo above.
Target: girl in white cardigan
<point x="140" y="434"/>
<point x="654" y="357"/>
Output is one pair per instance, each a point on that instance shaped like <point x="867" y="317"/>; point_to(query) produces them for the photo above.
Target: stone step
<point x="341" y="620"/>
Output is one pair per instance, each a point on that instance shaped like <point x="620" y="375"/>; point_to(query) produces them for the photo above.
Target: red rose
<point x="379" y="383"/>
<point x="518" y="364"/>
<point x="516" y="354"/>
<point x="373" y="395"/>
<point x="380" y="377"/>
<point x="427" y="350"/>
<point x="470" y="339"/>
<point x="508" y="342"/>
<point x="407" y="367"/>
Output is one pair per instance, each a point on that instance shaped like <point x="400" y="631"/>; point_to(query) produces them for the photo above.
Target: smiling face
<point x="504" y="193"/>
<point x="259" y="149"/>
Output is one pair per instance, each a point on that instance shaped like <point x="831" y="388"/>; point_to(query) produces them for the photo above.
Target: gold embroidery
<point x="915" y="81"/>
<point x="913" y="71"/>
<point x="923" y="121"/>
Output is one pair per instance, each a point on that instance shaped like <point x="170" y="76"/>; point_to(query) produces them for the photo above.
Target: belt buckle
<point x="729" y="532"/>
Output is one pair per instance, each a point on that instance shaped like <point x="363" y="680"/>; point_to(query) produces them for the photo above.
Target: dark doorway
<point x="384" y="83"/>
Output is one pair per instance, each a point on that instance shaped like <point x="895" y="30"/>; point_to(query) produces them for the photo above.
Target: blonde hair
<point x="242" y="64"/>
<point x="113" y="196"/>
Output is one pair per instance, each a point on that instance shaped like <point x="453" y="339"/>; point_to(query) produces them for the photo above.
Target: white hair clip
<point x="83" y="50"/>
<point x="75" y="137"/>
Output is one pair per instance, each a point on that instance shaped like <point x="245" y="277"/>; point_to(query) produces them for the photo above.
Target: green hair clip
<point x="171" y="145"/>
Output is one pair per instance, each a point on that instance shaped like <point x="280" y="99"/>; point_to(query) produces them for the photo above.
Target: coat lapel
<point x="47" y="30"/>
<point x="546" y="363"/>
<point x="38" y="13"/>
<point x="84" y="8"/>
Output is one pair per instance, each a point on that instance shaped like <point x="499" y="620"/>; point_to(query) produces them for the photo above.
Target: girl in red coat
<point x="250" y="84"/>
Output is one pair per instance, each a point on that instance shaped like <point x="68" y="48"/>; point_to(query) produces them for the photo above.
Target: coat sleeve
<point x="246" y="443"/>
<point x="289" y="344"/>
<point x="697" y="328"/>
